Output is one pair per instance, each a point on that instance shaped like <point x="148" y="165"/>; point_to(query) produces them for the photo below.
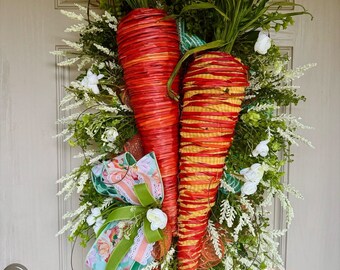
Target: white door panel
<point x="314" y="238"/>
<point x="29" y="166"/>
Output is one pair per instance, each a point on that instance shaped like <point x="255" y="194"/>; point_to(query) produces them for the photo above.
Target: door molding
<point x="279" y="217"/>
<point x="68" y="4"/>
<point x="63" y="157"/>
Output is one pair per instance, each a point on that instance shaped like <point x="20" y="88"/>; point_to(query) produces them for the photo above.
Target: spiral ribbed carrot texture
<point x="148" y="47"/>
<point x="213" y="92"/>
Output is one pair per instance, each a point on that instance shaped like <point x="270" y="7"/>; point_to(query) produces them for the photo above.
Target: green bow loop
<point x="130" y="212"/>
<point x="144" y="195"/>
<point x="138" y="224"/>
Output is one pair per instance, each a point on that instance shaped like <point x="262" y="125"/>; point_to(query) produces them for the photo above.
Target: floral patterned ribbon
<point x="139" y="184"/>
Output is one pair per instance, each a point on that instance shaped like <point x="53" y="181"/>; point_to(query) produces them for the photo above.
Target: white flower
<point x="125" y="108"/>
<point x="103" y="49"/>
<point x="72" y="15"/>
<point x="249" y="188"/>
<point x="91" y="81"/>
<point x="68" y="62"/>
<point x="265" y="167"/>
<point x="110" y="18"/>
<point x="261" y="149"/>
<point x="277" y="68"/>
<point x="157" y="218"/>
<point x="110" y="135"/>
<point x="252" y="176"/>
<point x="263" y="43"/>
<point x="74" y="45"/>
<point x="95" y="213"/>
<point x="254" y="173"/>
<point x="121" y="225"/>
<point x="98" y="225"/>
<point x="101" y="65"/>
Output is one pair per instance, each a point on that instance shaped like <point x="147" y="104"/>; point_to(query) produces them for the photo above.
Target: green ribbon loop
<point x="144" y="196"/>
<point x="147" y="201"/>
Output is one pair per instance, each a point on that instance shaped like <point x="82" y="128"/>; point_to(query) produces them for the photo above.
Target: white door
<point x="31" y="161"/>
<point x="313" y="242"/>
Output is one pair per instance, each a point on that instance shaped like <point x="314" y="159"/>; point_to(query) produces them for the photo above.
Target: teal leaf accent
<point x="232" y="181"/>
<point x="188" y="41"/>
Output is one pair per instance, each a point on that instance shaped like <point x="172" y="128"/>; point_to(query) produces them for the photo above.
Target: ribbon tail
<point x="121" y="250"/>
<point x="150" y="235"/>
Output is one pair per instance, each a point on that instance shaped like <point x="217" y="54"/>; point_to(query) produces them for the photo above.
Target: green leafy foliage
<point x="90" y="128"/>
<point x="259" y="121"/>
<point x="99" y="123"/>
<point x="228" y="20"/>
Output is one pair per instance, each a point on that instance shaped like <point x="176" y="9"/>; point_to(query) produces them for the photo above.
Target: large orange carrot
<point x="213" y="91"/>
<point x="148" y="47"/>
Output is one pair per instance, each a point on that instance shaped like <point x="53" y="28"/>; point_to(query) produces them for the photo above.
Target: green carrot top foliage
<point x="229" y="20"/>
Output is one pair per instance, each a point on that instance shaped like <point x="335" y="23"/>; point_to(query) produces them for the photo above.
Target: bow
<point x="127" y="237"/>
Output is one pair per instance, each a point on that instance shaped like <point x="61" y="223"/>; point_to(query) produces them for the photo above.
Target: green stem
<point x="212" y="45"/>
<point x="204" y="6"/>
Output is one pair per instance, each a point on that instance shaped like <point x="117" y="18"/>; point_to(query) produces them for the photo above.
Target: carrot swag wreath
<point x="172" y="179"/>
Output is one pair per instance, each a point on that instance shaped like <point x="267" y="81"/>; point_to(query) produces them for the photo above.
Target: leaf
<point x="285" y="4"/>
<point x="232" y="181"/>
<point x="252" y="36"/>
<point x="281" y="4"/>
<point x="212" y="45"/>
<point x="204" y="6"/>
